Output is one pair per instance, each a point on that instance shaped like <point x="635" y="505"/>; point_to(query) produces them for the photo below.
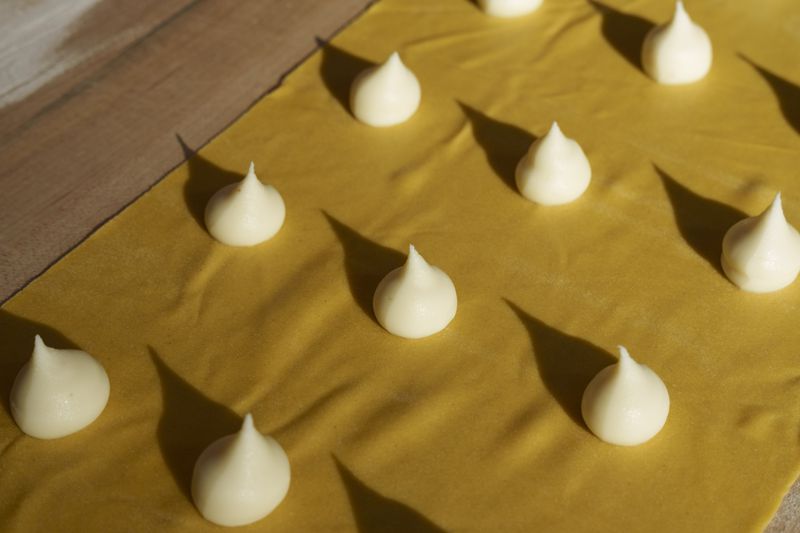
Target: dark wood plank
<point x="79" y="150"/>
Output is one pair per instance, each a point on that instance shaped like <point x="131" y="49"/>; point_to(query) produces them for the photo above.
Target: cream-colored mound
<point x="762" y="253"/>
<point x="509" y="8"/>
<point x="626" y="403"/>
<point x="678" y="52"/>
<point x="241" y="478"/>
<point x="415" y="300"/>
<point x="554" y="171"/>
<point x="245" y="213"/>
<point x="58" y="392"/>
<point x="385" y="95"/>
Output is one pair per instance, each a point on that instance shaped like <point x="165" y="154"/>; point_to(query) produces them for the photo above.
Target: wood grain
<point x="81" y="148"/>
<point x="90" y="141"/>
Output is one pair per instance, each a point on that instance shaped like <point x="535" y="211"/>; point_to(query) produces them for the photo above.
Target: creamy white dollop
<point x="240" y="478"/>
<point x="678" y="52"/>
<point x="385" y="95"/>
<point x="554" y="171"/>
<point x="415" y="300"/>
<point x="245" y="213"/>
<point x="626" y="403"/>
<point x="58" y="392"/>
<point x="762" y="253"/>
<point x="509" y="8"/>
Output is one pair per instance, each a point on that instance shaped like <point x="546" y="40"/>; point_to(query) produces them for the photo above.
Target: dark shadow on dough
<point x="365" y="262"/>
<point x="566" y="364"/>
<point x="701" y="221"/>
<point x="503" y="143"/>
<point x="189" y="423"/>
<point x="375" y="513"/>
<point x="787" y="93"/>
<point x="16" y="347"/>
<point x="205" y="179"/>
<point x="338" y="70"/>
<point x="624" y="32"/>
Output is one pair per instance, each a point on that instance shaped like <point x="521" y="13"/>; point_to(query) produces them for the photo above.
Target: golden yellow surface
<point x="477" y="428"/>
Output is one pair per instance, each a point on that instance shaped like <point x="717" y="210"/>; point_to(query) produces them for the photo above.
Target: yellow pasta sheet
<point x="477" y="428"/>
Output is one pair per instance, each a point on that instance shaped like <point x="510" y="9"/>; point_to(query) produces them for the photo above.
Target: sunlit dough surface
<point x="486" y="412"/>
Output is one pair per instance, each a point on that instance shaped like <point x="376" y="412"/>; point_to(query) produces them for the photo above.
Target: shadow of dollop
<point x="366" y="262"/>
<point x="701" y="221"/>
<point x="189" y="422"/>
<point x="504" y="144"/>
<point x="376" y="513"/>
<point x="624" y="32"/>
<point x="787" y="93"/>
<point x="338" y="70"/>
<point x="205" y="179"/>
<point x="566" y="364"/>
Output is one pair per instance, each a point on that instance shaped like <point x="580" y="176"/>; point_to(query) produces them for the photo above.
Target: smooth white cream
<point x="415" y="300"/>
<point x="554" y="171"/>
<point x="626" y="403"/>
<point x="245" y="213"/>
<point x="509" y="8"/>
<point x="58" y="392"/>
<point x="385" y="95"/>
<point x="762" y="253"/>
<point x="678" y="52"/>
<point x="240" y="478"/>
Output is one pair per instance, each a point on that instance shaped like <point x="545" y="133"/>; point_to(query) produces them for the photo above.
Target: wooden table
<point x="94" y="92"/>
